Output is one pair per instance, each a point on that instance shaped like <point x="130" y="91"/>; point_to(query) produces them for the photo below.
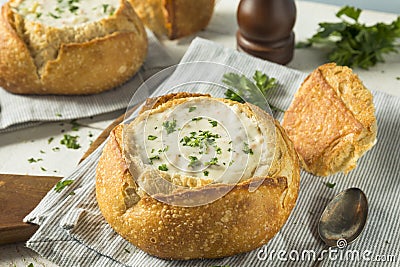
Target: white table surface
<point x="17" y="147"/>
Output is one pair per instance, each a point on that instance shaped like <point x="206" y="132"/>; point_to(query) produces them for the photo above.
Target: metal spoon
<point x="343" y="219"/>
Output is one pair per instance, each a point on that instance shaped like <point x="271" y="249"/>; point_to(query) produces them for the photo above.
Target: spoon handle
<point x="318" y="261"/>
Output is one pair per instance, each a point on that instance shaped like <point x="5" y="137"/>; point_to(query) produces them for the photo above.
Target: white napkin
<point x="19" y="111"/>
<point x="73" y="232"/>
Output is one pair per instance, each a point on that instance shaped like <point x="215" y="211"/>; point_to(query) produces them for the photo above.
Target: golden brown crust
<point x="239" y="221"/>
<point x="91" y="64"/>
<point x="174" y="18"/>
<point x="331" y="120"/>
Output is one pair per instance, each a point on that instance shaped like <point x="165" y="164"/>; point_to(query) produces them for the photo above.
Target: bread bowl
<point x="331" y="120"/>
<point x="168" y="210"/>
<point x="69" y="47"/>
<point x="174" y="18"/>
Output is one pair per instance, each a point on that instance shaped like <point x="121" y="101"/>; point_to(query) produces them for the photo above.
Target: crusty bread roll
<point x="254" y="203"/>
<point x="69" y="47"/>
<point x="174" y="18"/>
<point x="331" y="120"/>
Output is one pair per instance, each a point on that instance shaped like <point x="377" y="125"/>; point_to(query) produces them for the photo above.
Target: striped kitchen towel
<point x="73" y="232"/>
<point x="19" y="111"/>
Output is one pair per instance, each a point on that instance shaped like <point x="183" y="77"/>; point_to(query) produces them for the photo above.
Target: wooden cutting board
<point x="20" y="194"/>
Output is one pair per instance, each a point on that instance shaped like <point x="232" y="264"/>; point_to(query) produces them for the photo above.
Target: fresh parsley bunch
<point x="241" y="89"/>
<point x="356" y="44"/>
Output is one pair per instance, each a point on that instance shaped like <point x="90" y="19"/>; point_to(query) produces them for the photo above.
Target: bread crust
<point x="240" y="221"/>
<point x="92" y="64"/>
<point x="174" y="18"/>
<point x="331" y="120"/>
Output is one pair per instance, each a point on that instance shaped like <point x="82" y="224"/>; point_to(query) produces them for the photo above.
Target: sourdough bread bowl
<point x="69" y="47"/>
<point x="174" y="18"/>
<point x="331" y="120"/>
<point x="208" y="194"/>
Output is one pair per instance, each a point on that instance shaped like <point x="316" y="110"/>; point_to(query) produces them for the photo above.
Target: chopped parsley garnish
<point x="30" y="265"/>
<point x="32" y="160"/>
<point x="213" y="161"/>
<point x="42" y="152"/>
<point x="194" y="161"/>
<point x="151" y="137"/>
<point x="163" y="167"/>
<point x="58" y="115"/>
<point x="38" y="15"/>
<point x="398" y="78"/>
<point x="247" y="149"/>
<point x="229" y="149"/>
<point x="43" y="169"/>
<point x="56" y="149"/>
<point x="152" y="151"/>
<point x="105" y="6"/>
<point x="75" y="125"/>
<point x="153" y="158"/>
<point x="73" y="9"/>
<point x="196" y="118"/>
<point x="213" y="123"/>
<point x="205" y="173"/>
<point x="70" y="141"/>
<point x="59" y="10"/>
<point x="54" y="17"/>
<point x="191" y="109"/>
<point x="231" y="162"/>
<point x="170" y="126"/>
<point x="330" y="185"/>
<point x="50" y="140"/>
<point x="218" y="150"/>
<point x="62" y="184"/>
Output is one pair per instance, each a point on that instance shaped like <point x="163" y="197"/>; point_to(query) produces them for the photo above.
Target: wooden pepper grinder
<point x="266" y="29"/>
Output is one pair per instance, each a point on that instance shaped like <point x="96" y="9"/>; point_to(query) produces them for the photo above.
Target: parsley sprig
<point x="241" y="89"/>
<point x="356" y="44"/>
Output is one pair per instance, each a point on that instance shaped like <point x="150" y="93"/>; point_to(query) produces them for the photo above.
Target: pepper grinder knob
<point x="266" y="29"/>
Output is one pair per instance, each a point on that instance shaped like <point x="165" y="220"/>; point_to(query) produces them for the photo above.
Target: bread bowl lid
<point x="197" y="142"/>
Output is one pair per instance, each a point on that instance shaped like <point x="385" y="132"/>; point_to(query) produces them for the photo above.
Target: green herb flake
<point x="105" y="7"/>
<point x="70" y="141"/>
<point x="398" y="78"/>
<point x="73" y="9"/>
<point x="247" y="149"/>
<point x="163" y="167"/>
<point x="59" y="10"/>
<point x="194" y="161"/>
<point x="42" y="152"/>
<point x="218" y="150"/>
<point x="32" y="160"/>
<point x="62" y="184"/>
<point x="153" y="158"/>
<point x="170" y="126"/>
<point x="196" y="118"/>
<point x="58" y="115"/>
<point x="205" y="173"/>
<point x="38" y="15"/>
<point x="191" y="109"/>
<point x="213" y="123"/>
<point x="30" y="265"/>
<point x="151" y="137"/>
<point x="330" y="185"/>
<point x="56" y="149"/>
<point x="213" y="161"/>
<point x="50" y="140"/>
<point x="43" y="169"/>
<point x="54" y="17"/>
<point x="127" y="251"/>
